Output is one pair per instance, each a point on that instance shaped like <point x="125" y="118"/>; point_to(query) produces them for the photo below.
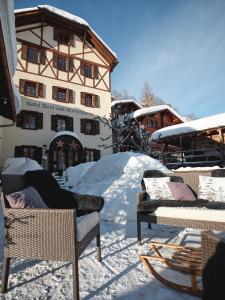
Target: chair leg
<point x="75" y="279"/>
<point x="99" y="257"/>
<point x="5" y="274"/>
<point x="138" y="231"/>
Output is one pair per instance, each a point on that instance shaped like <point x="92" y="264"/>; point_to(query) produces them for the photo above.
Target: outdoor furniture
<point x="213" y="219"/>
<point x="47" y="234"/>
<point x="207" y="261"/>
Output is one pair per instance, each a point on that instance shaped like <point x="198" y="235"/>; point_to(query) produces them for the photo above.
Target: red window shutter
<point x="40" y="90"/>
<point x="54" y="92"/>
<point x="56" y="34"/>
<point x="55" y="60"/>
<point x="71" y="64"/>
<point x="70" y="96"/>
<point x="39" y="120"/>
<point x="72" y="39"/>
<point x="43" y="56"/>
<point x="82" y="125"/>
<point x="54" y="122"/>
<point x="82" y="68"/>
<point x="82" y="98"/>
<point x="96" y="72"/>
<point x="97" y="154"/>
<point x="22" y="86"/>
<point x="24" y="52"/>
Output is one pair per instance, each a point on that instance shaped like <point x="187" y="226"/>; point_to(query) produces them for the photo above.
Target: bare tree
<point x="147" y="96"/>
<point x="123" y="94"/>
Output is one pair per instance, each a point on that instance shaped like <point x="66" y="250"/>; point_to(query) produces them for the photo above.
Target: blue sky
<point x="178" y="46"/>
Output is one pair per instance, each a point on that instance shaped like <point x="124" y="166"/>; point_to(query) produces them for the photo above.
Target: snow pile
<point x="20" y="165"/>
<point x="117" y="178"/>
<point x="74" y="174"/>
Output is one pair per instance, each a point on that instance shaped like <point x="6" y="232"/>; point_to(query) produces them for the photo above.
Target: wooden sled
<point x="184" y="259"/>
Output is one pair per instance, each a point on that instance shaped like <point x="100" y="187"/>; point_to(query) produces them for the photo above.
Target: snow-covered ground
<point x="120" y="275"/>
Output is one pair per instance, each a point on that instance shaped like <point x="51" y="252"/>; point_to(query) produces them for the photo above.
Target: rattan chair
<point x="207" y="261"/>
<point x="46" y="234"/>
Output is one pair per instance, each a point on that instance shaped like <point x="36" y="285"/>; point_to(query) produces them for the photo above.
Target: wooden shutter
<point x="97" y="127"/>
<point x="70" y="64"/>
<point x="82" y="68"/>
<point x="70" y="96"/>
<point x="18" y="151"/>
<point x="42" y="55"/>
<point x="56" y="34"/>
<point x="19" y="119"/>
<point x="39" y="120"/>
<point x="38" y="154"/>
<point x="82" y="97"/>
<point x="54" y="92"/>
<point x="69" y="123"/>
<point x="22" y="86"/>
<point x="96" y="72"/>
<point x="24" y="52"/>
<point x="82" y="125"/>
<point x="72" y="39"/>
<point x="55" y="60"/>
<point x="95" y="101"/>
<point x="40" y="90"/>
<point x="97" y="154"/>
<point x="54" y="122"/>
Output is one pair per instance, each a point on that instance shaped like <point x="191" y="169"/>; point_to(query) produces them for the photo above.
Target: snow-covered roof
<point x="7" y="20"/>
<point x="67" y="16"/>
<point x="70" y="133"/>
<point x="113" y="103"/>
<point x="155" y="109"/>
<point x="191" y="126"/>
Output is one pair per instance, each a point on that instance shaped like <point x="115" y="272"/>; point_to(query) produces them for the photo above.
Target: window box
<point x="90" y="100"/>
<point x="27" y="119"/>
<point x="89" y="127"/>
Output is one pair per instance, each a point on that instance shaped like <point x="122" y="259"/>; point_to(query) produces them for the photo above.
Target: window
<point x="63" y="63"/>
<point x="89" y="127"/>
<point x="33" y="54"/>
<point x="31" y="88"/>
<point x="152" y="123"/>
<point x="89" y="70"/>
<point x="62" y="95"/>
<point x="32" y="152"/>
<point x="91" y="154"/>
<point x="63" y="36"/>
<point x="90" y="100"/>
<point x="27" y="119"/>
<point x="61" y="123"/>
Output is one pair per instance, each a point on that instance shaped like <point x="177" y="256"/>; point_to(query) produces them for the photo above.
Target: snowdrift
<point x="117" y="178"/>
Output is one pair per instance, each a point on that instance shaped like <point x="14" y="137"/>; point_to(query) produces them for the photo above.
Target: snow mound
<point x="20" y="165"/>
<point x="74" y="174"/>
<point x="117" y="178"/>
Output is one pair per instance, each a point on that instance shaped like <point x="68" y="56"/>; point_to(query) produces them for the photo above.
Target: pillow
<point x="157" y="188"/>
<point x="181" y="191"/>
<point x="27" y="198"/>
<point x="211" y="188"/>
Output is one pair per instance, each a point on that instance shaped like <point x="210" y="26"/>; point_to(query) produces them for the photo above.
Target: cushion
<point x="181" y="191"/>
<point x="157" y="188"/>
<point x="212" y="188"/>
<point x="27" y="198"/>
<point x="85" y="224"/>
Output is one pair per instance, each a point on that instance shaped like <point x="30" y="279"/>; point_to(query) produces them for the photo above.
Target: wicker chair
<point x="47" y="234"/>
<point x="192" y="179"/>
<point x="207" y="261"/>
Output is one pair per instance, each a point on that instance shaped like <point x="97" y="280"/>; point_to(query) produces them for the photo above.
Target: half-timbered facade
<point x="63" y="75"/>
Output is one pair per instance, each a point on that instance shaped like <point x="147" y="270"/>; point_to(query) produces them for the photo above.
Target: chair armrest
<point x="142" y="198"/>
<point x="41" y="233"/>
<point x="88" y="203"/>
